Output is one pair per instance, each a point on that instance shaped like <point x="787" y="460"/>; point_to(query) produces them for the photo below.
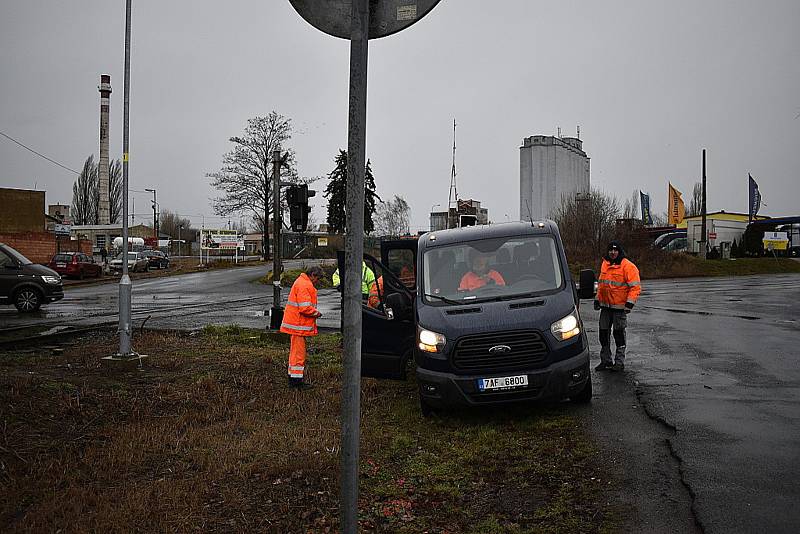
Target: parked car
<point x="157" y="259"/>
<point x="75" y="265"/>
<point x="679" y="244"/>
<point x="137" y="262"/>
<point x="25" y="284"/>
<point x="664" y="239"/>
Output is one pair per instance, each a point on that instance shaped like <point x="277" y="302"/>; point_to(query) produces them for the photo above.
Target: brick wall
<point x="23" y="211"/>
<point x="38" y="247"/>
<point x="65" y="244"/>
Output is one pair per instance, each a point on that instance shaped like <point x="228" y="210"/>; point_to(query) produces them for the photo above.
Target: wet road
<point x="188" y="301"/>
<point x="716" y="360"/>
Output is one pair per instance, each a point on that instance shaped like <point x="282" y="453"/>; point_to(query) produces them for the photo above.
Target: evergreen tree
<point x="336" y="193"/>
<point x="734" y="249"/>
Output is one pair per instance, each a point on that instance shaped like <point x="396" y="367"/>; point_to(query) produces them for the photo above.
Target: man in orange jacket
<point x="300" y="321"/>
<point x="617" y="291"/>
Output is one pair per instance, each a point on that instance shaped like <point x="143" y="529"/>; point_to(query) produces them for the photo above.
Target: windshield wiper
<point x="443" y="299"/>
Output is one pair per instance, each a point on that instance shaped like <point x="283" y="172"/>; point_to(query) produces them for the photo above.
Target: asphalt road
<point x="715" y="362"/>
<point x="188" y="301"/>
<point x="706" y="415"/>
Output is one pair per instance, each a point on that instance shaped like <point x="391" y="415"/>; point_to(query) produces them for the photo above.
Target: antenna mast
<point x="452" y="201"/>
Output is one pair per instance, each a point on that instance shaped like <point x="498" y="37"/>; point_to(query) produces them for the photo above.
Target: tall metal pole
<point x="354" y="252"/>
<point x="276" y="243"/>
<point x="125" y="281"/>
<point x="703" y="235"/>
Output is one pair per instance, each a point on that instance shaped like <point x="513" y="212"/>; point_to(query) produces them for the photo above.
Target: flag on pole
<point x="754" y="197"/>
<point x="676" y="209"/>
<point x="644" y="201"/>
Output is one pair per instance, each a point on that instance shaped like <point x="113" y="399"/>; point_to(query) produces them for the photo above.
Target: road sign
<point x="776" y="240"/>
<point x="62" y="229"/>
<point x="385" y="16"/>
<point x="712" y="235"/>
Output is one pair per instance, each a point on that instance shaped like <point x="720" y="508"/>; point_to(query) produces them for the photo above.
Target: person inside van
<point x="480" y="275"/>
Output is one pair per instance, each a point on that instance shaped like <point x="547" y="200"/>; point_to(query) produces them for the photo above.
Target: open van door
<point x="387" y="314"/>
<point x="400" y="257"/>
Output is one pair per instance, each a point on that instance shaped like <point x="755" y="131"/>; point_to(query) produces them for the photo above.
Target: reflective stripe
<point x="296" y="368"/>
<point x="297" y="327"/>
<point x="296" y="375"/>
<point x="618" y="284"/>
<point x="299" y="304"/>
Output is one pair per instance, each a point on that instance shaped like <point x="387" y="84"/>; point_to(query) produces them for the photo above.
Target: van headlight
<point x="54" y="280"/>
<point x="567" y="327"/>
<point x="430" y="341"/>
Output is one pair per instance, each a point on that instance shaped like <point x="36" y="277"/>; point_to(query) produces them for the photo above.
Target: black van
<point x="489" y="315"/>
<point x="26" y="284"/>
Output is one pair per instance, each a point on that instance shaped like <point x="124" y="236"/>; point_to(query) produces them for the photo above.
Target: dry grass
<point x="209" y="437"/>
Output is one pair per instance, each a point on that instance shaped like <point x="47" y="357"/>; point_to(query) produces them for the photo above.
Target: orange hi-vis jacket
<point x="300" y="316"/>
<point x="619" y="283"/>
<point x="375" y="293"/>
<point x="472" y="281"/>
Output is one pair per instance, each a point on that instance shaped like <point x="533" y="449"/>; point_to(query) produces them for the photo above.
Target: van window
<point x="401" y="263"/>
<point x="489" y="269"/>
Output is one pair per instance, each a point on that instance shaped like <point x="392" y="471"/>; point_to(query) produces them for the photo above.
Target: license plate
<point x="61" y="264"/>
<point x="503" y="382"/>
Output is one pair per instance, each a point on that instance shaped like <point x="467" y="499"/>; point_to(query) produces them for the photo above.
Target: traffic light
<point x="297" y="198"/>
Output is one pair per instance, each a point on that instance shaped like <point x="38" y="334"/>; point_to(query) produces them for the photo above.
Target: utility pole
<point x="703" y="234"/>
<point x="353" y="256"/>
<point x="276" y="313"/>
<point x="125" y="280"/>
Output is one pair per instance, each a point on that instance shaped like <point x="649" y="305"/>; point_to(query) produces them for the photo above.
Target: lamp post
<point x="155" y="214"/>
<point x="180" y="227"/>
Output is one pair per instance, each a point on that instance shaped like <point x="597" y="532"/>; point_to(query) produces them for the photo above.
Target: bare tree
<point x="114" y="190"/>
<point x="392" y="218"/>
<point x="696" y="203"/>
<point x="630" y="208"/>
<point x="85" y="194"/>
<point x="245" y="179"/>
<point x="169" y="222"/>
<point x="587" y="222"/>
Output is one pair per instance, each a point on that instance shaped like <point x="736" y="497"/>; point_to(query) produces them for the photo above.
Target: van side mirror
<point x="400" y="305"/>
<point x="586" y="286"/>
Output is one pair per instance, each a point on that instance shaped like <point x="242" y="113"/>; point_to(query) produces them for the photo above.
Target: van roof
<point x="486" y="231"/>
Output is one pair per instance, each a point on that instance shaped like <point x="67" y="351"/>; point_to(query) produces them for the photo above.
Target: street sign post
<point x="359" y="21"/>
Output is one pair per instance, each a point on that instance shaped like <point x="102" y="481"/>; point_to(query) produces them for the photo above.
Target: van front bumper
<point x="559" y="380"/>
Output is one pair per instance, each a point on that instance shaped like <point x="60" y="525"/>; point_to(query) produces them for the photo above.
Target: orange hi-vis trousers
<point x="297" y="357"/>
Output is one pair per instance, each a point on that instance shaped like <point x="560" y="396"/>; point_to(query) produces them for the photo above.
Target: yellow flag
<point x="675" y="208"/>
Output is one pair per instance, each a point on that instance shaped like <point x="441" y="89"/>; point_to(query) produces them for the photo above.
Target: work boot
<point x="617" y="367"/>
<point x="604" y="366"/>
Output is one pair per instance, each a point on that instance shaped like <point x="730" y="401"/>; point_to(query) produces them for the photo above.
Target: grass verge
<point x="209" y="437"/>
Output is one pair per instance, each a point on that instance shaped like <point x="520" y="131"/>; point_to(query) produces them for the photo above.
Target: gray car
<point x="137" y="262"/>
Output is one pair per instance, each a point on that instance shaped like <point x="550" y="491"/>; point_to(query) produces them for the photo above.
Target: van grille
<point x="472" y="352"/>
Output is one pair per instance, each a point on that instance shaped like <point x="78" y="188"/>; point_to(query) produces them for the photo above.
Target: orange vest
<point x="619" y="283"/>
<point x="374" y="296"/>
<point x="472" y="281"/>
<point x="299" y="318"/>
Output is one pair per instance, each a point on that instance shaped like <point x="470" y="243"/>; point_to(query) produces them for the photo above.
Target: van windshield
<point x="491" y="269"/>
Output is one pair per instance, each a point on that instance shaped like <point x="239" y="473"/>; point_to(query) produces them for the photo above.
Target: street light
<point x="155" y="214"/>
<point x="180" y="227"/>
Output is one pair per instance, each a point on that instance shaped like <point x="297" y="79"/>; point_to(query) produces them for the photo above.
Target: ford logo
<point x="499" y="349"/>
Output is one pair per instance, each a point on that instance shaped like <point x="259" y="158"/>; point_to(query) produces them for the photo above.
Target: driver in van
<point x="480" y="275"/>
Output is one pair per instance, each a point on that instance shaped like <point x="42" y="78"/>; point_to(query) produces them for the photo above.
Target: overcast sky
<point x="651" y="83"/>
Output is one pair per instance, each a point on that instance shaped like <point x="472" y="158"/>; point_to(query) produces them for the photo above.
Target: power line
<point x="38" y="154"/>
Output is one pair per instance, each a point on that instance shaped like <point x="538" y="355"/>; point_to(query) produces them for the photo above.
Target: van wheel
<point x="585" y="395"/>
<point x="28" y="299"/>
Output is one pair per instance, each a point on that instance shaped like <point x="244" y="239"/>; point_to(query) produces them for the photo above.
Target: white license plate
<point x="61" y="264"/>
<point x="503" y="382"/>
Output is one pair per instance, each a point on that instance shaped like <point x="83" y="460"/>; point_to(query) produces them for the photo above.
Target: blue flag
<point x="647" y="220"/>
<point x="754" y="197"/>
